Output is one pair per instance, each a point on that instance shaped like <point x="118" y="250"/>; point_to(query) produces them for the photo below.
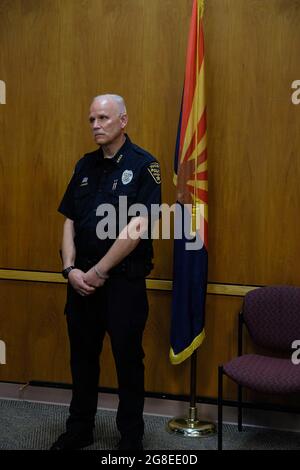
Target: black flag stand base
<point x="191" y="426"/>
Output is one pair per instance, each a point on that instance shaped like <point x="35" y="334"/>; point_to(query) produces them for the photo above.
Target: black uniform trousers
<point x="119" y="308"/>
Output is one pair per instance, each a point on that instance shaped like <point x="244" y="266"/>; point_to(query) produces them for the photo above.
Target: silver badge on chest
<point x="127" y="176"/>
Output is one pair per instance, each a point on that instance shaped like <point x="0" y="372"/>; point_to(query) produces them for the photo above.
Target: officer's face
<point x="106" y="122"/>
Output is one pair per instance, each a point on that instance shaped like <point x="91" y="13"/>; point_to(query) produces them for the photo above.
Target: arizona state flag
<point x="190" y="250"/>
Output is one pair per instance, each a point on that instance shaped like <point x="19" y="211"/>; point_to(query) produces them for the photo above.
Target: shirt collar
<point x="118" y="158"/>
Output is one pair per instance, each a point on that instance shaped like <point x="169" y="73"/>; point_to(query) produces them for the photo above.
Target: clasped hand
<point x="85" y="283"/>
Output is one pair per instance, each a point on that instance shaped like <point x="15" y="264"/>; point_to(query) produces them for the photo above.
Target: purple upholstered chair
<point x="272" y="317"/>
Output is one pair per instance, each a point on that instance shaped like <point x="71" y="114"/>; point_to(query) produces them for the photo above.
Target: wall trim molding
<point x="152" y="284"/>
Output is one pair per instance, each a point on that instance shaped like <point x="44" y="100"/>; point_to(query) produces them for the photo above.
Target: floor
<point x="155" y="406"/>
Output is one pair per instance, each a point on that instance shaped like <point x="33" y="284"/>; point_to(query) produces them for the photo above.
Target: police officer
<point x="105" y="263"/>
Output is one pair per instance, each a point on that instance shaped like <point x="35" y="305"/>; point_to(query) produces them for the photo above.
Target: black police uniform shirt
<point x="133" y="173"/>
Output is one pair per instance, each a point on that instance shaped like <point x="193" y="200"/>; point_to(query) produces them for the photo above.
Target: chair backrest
<point x="272" y="316"/>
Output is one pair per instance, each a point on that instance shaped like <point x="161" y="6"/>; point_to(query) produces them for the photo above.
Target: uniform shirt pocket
<point x="82" y="200"/>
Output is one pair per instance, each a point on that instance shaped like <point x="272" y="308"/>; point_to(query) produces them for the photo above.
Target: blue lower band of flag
<point x="188" y="299"/>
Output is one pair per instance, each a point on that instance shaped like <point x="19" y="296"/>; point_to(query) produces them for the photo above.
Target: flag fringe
<point x="187" y="352"/>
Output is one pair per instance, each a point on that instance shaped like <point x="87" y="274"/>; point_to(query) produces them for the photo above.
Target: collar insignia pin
<point x="85" y="181"/>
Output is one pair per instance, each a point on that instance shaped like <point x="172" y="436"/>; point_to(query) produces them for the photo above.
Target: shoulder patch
<point x="154" y="171"/>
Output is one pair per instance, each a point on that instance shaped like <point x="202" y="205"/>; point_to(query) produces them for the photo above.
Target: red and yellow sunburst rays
<point x="192" y="184"/>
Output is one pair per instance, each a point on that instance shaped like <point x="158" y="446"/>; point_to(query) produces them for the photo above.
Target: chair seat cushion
<point x="264" y="374"/>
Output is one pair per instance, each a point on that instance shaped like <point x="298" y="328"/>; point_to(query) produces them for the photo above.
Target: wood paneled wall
<point x="33" y="328"/>
<point x="252" y="57"/>
<point x="54" y="57"/>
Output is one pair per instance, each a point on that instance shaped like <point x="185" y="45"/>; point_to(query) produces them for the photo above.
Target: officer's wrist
<point x="103" y="266"/>
<point x="100" y="274"/>
<point x="66" y="271"/>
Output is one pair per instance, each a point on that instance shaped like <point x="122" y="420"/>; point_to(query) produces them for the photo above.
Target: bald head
<point x="116" y="100"/>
